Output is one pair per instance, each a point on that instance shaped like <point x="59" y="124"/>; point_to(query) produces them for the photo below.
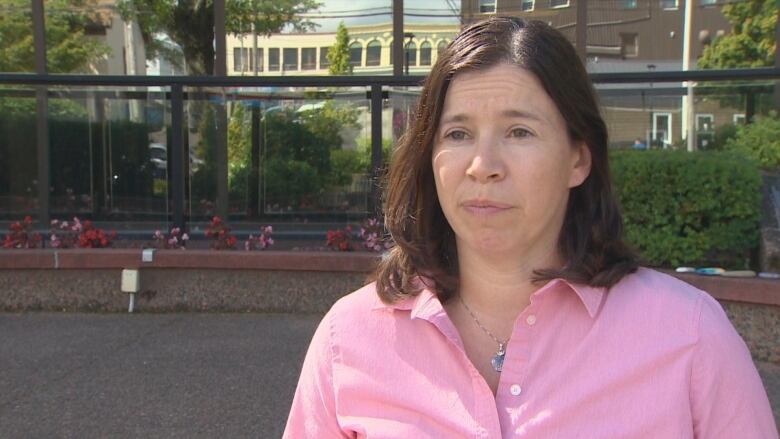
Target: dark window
<point x="527" y="5"/>
<point x="425" y="54"/>
<point x="441" y="46"/>
<point x="324" y="63"/>
<point x="290" y="58"/>
<point x="273" y="58"/>
<point x="373" y="53"/>
<point x="241" y="61"/>
<point x="308" y="58"/>
<point x="559" y="3"/>
<point x="627" y="4"/>
<point x="392" y="51"/>
<point x="629" y="44"/>
<point x="259" y="59"/>
<point x="355" y="54"/>
<point x="669" y="4"/>
<point x="487" y="6"/>
<point x="411" y="54"/>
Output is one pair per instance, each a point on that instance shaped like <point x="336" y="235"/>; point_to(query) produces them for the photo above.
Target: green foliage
<point x="190" y="24"/>
<point x="751" y="42"/>
<point x="338" y="54"/>
<point x="723" y="134"/>
<point x="759" y="141"/>
<point x="72" y="161"/>
<point x="344" y="163"/>
<point x="684" y="208"/>
<point x="290" y="182"/>
<point x="68" y="49"/>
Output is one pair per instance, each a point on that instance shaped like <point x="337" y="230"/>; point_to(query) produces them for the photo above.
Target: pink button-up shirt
<point x="652" y="358"/>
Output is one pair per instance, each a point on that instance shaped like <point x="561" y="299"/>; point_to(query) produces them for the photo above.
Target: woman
<point x="510" y="307"/>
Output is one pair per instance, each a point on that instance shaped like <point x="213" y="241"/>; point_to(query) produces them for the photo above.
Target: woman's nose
<point x="486" y="163"/>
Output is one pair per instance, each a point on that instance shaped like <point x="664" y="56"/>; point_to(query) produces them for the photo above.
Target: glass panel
<point x="290" y="58"/>
<point x="309" y="58"/>
<point x="18" y="153"/>
<point x="527" y="5"/>
<point x="355" y="55"/>
<point x="324" y="63"/>
<point x="487" y="6"/>
<point x="410" y="54"/>
<point x="373" y="53"/>
<point x="668" y="4"/>
<point x="655" y="113"/>
<point x="273" y="59"/>
<point x="425" y="54"/>
<point x="627" y="4"/>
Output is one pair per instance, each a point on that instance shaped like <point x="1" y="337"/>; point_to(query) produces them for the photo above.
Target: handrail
<point x="359" y="81"/>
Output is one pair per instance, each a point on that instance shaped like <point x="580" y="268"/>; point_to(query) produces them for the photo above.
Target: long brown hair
<point x="591" y="237"/>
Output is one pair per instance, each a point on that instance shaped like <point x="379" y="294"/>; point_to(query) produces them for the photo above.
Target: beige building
<point x="306" y="53"/>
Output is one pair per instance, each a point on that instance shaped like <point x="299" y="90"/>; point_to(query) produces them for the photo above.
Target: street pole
<point x="688" y="128"/>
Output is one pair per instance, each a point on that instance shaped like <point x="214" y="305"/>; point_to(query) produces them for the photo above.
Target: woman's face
<point x="503" y="163"/>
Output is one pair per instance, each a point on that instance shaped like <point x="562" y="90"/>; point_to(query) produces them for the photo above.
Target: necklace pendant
<point x="498" y="359"/>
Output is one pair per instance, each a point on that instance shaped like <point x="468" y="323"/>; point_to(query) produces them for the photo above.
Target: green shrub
<point x="290" y="183"/>
<point x="759" y="141"/>
<point x="685" y="208"/>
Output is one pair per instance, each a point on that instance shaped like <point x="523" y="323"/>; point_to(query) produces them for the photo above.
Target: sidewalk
<point x="161" y="375"/>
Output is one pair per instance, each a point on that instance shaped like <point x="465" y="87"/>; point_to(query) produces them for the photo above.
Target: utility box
<point x="131" y="281"/>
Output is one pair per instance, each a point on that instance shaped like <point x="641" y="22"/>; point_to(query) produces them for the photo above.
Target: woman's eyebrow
<point x="507" y="114"/>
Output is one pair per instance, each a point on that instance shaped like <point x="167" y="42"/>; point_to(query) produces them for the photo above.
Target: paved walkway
<point x="160" y="375"/>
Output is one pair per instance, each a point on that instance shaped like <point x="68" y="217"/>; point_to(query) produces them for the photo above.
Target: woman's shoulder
<point x="662" y="297"/>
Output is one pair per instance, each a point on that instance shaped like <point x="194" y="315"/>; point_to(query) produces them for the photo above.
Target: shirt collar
<point x="426" y="303"/>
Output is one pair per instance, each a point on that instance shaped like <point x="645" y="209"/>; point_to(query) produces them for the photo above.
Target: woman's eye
<point x="456" y="135"/>
<point x="520" y="132"/>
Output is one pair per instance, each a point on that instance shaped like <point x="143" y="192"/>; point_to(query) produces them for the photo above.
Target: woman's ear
<point x="581" y="164"/>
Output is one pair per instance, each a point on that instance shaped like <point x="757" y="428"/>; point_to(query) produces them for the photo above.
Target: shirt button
<point x="515" y="389"/>
<point x="531" y="320"/>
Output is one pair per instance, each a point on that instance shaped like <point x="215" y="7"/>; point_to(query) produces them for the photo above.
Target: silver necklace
<point x="498" y="360"/>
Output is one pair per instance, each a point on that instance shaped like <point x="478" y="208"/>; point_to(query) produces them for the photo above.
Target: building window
<point x="661" y="136"/>
<point x="527" y="5"/>
<point x="392" y="51"/>
<point x="708" y="2"/>
<point x="273" y="59"/>
<point x="241" y="60"/>
<point x="324" y="62"/>
<point x="705" y="130"/>
<point x="356" y="55"/>
<point x="425" y="54"/>
<point x="627" y="4"/>
<point x="308" y="58"/>
<point x="629" y="44"/>
<point x="290" y="58"/>
<point x="441" y="46"/>
<point x="411" y="54"/>
<point x="738" y="119"/>
<point x="669" y="5"/>
<point x="373" y="53"/>
<point x="487" y="6"/>
<point x="559" y="3"/>
<point x="259" y="59"/>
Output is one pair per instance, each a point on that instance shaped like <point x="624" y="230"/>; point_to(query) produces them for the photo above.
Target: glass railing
<point x="297" y="153"/>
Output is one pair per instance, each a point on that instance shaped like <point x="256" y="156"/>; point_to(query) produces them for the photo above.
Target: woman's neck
<point x="500" y="286"/>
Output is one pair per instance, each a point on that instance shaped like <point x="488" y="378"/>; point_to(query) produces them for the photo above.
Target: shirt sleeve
<point x="728" y="399"/>
<point x="313" y="412"/>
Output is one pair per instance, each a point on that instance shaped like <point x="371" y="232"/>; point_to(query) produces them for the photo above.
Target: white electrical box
<point x="131" y="281"/>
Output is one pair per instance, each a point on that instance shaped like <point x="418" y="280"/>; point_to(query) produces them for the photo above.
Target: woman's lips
<point x="485" y="207"/>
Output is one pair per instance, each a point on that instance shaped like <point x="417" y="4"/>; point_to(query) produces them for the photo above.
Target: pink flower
<point x="185" y="237"/>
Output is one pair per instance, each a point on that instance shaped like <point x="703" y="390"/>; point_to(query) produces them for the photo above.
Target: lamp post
<point x="406" y="51"/>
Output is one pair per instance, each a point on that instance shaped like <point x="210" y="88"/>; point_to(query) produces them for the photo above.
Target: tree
<point x="751" y="42"/>
<point x="190" y="24"/>
<point x="68" y="49"/>
<point x="338" y="53"/>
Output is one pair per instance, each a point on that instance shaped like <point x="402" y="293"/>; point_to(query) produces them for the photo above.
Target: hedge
<point x="693" y="209"/>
